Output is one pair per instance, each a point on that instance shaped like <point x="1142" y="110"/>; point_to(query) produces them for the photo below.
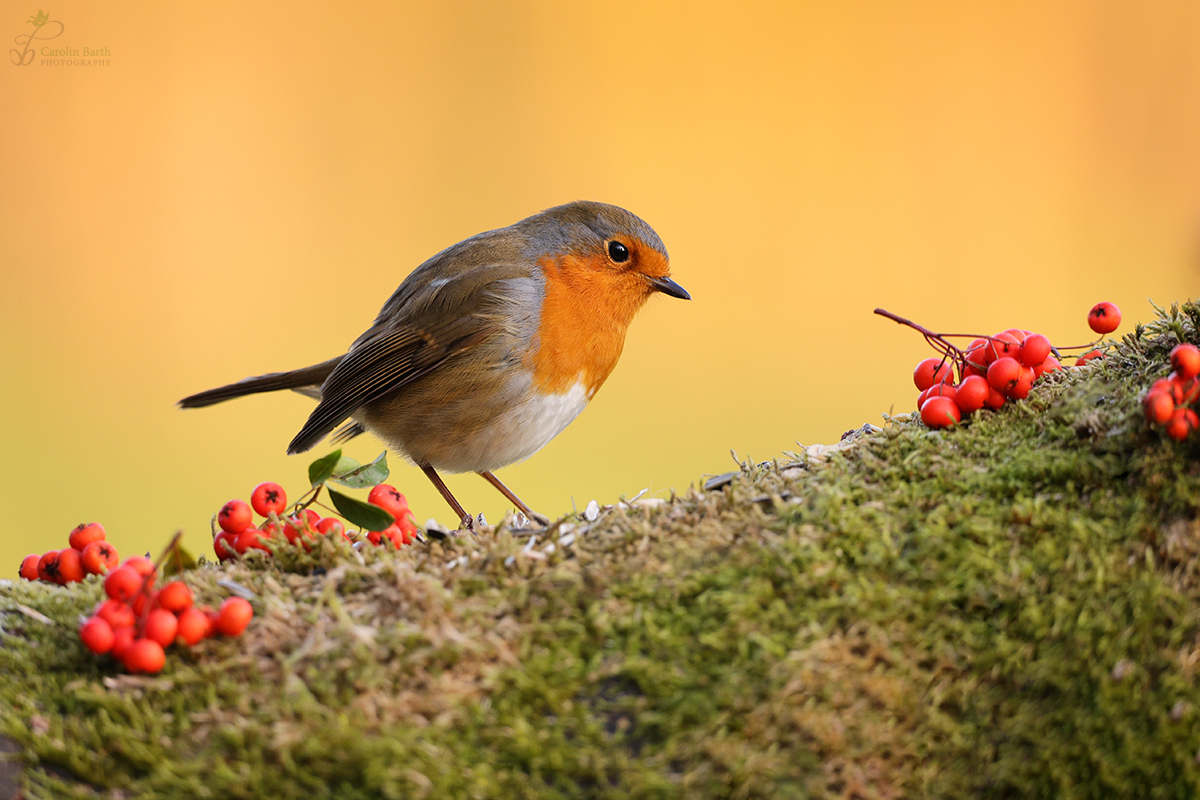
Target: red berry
<point x="1185" y="360"/>
<point x="86" y="533"/>
<point x="332" y="526"/>
<point x="99" y="557"/>
<point x="943" y="390"/>
<point x="122" y="583"/>
<point x="975" y="354"/>
<point x="1034" y="350"/>
<point x="995" y="399"/>
<point x="1003" y="374"/>
<point x="1181" y="424"/>
<point x="29" y="567"/>
<point x="390" y="500"/>
<point x="267" y="498"/>
<point x="48" y="567"/>
<point x="175" y="597"/>
<point x="1169" y="388"/>
<point x="251" y="539"/>
<point x="937" y="390"/>
<point x="142" y="601"/>
<point x="97" y="635"/>
<point x="211" y="614"/>
<point x="142" y="566"/>
<point x="116" y="613"/>
<point x="927" y="373"/>
<point x="194" y="626"/>
<point x="123" y="639"/>
<point x="1159" y="407"/>
<point x="1019" y="334"/>
<point x="971" y="369"/>
<point x="1021" y="390"/>
<point x="70" y="566"/>
<point x="1049" y="365"/>
<point x="972" y="394"/>
<point x="395" y="535"/>
<point x="225" y="545"/>
<point x="161" y="626"/>
<point x="410" y="529"/>
<point x="1000" y="346"/>
<point x="145" y="655"/>
<point x="1088" y="356"/>
<point x="234" y="615"/>
<point x="297" y="528"/>
<point x="235" y="517"/>
<point x="1104" y="318"/>
<point x="1187" y="389"/>
<point x="940" y="412"/>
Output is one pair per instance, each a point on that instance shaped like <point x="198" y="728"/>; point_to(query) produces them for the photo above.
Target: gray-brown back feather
<point x="444" y="308"/>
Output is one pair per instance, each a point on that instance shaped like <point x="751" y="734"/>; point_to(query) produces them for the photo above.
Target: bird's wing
<point x="382" y="365"/>
<point x="421" y="328"/>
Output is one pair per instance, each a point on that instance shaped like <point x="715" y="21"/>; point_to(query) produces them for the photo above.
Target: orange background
<point x="244" y="185"/>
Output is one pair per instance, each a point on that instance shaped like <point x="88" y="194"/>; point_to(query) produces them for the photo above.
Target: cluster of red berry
<point x="240" y="534"/>
<point x="404" y="529"/>
<point x="1171" y="399"/>
<point x="992" y="369"/>
<point x="89" y="554"/>
<point x="996" y="369"/>
<point x="136" y="623"/>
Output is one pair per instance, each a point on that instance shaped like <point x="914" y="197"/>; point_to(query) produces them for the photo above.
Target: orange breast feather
<point x="585" y="314"/>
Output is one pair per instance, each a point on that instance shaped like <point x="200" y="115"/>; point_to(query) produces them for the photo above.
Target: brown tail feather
<point x="296" y="379"/>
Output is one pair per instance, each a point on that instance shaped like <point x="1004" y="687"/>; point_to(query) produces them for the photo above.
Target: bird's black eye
<point x="618" y="252"/>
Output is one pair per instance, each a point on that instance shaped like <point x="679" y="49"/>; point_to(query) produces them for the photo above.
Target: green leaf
<point x="320" y="470"/>
<point x="345" y="464"/>
<point x="361" y="477"/>
<point x="178" y="561"/>
<point x="364" y="515"/>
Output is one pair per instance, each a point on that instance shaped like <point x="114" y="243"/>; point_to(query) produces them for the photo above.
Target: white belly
<point x="513" y="435"/>
<point x="521" y="431"/>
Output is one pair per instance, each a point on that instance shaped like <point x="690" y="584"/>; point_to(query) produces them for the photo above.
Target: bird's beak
<point x="668" y="286"/>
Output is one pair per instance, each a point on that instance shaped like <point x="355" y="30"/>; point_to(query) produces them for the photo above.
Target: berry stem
<point x="308" y="498"/>
<point x="1079" y="346"/>
<point x="896" y="318"/>
<point x="928" y="333"/>
<point x="147" y="579"/>
<point x="936" y="340"/>
<point x="170" y="548"/>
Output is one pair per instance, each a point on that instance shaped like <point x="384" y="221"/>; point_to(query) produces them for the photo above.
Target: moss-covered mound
<point x="1007" y="609"/>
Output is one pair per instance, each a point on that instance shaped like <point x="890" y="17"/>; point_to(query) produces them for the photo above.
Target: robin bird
<point x="490" y="348"/>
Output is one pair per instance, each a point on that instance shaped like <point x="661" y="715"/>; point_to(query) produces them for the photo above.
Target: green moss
<point x="1007" y="609"/>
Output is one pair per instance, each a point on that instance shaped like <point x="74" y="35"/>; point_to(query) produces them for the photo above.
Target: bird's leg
<point x="504" y="490"/>
<point x="464" y="519"/>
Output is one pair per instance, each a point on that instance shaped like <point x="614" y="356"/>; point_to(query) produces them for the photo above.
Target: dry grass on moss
<point x="1008" y="609"/>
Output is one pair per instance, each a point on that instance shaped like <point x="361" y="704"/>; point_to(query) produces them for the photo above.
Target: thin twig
<point x="149" y="578"/>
